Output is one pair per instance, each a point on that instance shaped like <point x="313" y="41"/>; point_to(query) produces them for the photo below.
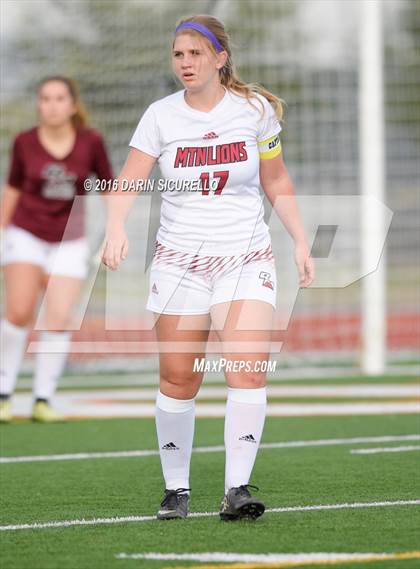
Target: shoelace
<point x="243" y="490"/>
<point x="172" y="496"/>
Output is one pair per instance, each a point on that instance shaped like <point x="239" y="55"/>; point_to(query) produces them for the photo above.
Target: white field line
<point x="286" y="558"/>
<point x="125" y="519"/>
<point x="356" y="391"/>
<point x="384" y="449"/>
<point x="93" y="405"/>
<point x="150" y="377"/>
<point x="220" y="448"/>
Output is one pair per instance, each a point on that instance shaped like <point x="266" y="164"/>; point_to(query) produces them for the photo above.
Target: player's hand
<point x="305" y="265"/>
<point x="114" y="248"/>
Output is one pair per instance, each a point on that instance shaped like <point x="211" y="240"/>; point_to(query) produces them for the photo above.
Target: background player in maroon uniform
<point x="44" y="246"/>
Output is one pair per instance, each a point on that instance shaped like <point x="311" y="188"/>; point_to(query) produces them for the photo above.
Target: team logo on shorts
<point x="266" y="279"/>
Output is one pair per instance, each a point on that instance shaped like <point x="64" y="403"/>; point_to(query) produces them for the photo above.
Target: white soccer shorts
<point x="184" y="283"/>
<point x="68" y="258"/>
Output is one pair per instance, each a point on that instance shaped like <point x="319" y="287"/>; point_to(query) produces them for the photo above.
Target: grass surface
<point x="115" y="487"/>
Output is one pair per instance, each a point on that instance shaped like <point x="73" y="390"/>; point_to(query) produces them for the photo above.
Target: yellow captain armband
<point x="270" y="147"/>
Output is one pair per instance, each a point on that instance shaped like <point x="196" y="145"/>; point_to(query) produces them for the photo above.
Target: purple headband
<point x="203" y="30"/>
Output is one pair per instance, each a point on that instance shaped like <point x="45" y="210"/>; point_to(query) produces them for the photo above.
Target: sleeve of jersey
<point x="17" y="170"/>
<point x="146" y="136"/>
<point x="102" y="166"/>
<point x="268" y="140"/>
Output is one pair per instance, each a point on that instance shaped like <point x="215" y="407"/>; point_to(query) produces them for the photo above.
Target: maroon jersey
<point x="49" y="185"/>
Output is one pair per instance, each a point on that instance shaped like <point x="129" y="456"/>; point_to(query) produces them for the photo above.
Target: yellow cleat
<point x="43" y="413"/>
<point x="5" y="411"/>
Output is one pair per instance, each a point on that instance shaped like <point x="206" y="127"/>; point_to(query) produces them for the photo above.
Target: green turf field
<point x="288" y="477"/>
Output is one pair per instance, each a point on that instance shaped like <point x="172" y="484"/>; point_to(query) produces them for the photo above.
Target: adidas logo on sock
<point x="170" y="446"/>
<point x="248" y="438"/>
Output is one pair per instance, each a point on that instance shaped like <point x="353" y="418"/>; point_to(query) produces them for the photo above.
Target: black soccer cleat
<point x="239" y="504"/>
<point x="174" y="504"/>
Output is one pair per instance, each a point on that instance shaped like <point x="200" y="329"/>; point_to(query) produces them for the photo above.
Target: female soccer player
<point x="213" y="260"/>
<point x="44" y="246"/>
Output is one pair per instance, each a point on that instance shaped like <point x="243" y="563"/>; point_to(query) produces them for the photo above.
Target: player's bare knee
<point x="19" y="317"/>
<point x="247" y="380"/>
<point x="179" y="387"/>
<point x="178" y="392"/>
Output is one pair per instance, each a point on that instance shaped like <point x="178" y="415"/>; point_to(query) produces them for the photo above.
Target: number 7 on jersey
<point x="223" y="176"/>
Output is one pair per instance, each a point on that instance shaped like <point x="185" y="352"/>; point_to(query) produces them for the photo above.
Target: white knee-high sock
<point x="49" y="365"/>
<point x="175" y="430"/>
<point x="13" y="346"/>
<point x="244" y="423"/>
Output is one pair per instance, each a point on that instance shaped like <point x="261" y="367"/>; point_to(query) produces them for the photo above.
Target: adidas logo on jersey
<point x="154" y="289"/>
<point x="210" y="135"/>
<point x="248" y="439"/>
<point x="170" y="446"/>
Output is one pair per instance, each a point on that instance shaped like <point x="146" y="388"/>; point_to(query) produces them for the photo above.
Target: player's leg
<point x="178" y="379"/>
<point x="22" y="285"/>
<point x="242" y="309"/>
<point x="245" y="349"/>
<point x="179" y="298"/>
<point x="61" y="294"/>
<point x="175" y="404"/>
<point x="62" y="282"/>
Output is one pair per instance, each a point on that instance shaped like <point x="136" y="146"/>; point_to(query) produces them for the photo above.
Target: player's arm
<point x="278" y="187"/>
<point x="138" y="166"/>
<point x="8" y="205"/>
<point x="12" y="190"/>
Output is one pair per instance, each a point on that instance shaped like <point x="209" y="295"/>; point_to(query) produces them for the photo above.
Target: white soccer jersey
<point x="218" y="154"/>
